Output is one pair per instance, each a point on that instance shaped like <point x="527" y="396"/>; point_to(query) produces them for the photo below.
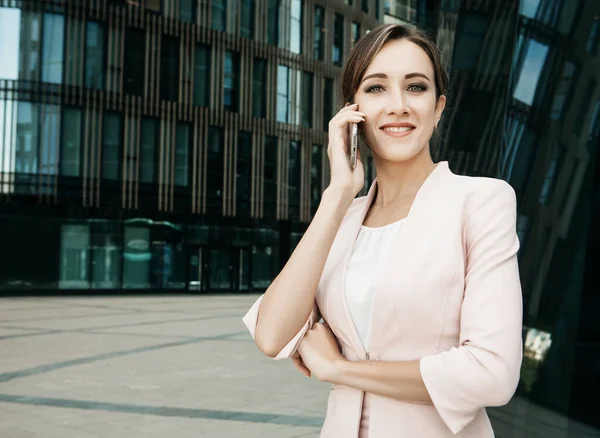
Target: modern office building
<point x="151" y="145"/>
<point x="178" y="145"/>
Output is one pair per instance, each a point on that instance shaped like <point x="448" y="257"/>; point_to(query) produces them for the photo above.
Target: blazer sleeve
<point x="251" y="318"/>
<point x="484" y="369"/>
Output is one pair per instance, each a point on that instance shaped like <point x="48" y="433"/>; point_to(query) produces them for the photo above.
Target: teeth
<point x="402" y="129"/>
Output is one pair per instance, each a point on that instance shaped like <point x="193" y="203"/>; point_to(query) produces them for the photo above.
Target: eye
<point x="417" y="87"/>
<point x="375" y="89"/>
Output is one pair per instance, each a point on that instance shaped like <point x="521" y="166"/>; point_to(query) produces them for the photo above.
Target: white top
<point x="369" y="250"/>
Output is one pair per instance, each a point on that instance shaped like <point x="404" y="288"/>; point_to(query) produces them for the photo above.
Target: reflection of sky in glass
<point x="10" y="20"/>
<point x="529" y="8"/>
<point x="530" y="71"/>
<point x="282" y="93"/>
<point x="295" y="28"/>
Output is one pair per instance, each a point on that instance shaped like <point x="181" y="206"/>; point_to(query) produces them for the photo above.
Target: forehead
<point x="399" y="57"/>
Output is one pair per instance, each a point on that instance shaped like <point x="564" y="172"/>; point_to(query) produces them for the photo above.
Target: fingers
<point x="297" y="360"/>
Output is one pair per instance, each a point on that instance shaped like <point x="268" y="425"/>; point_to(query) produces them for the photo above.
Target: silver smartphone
<point x="353" y="143"/>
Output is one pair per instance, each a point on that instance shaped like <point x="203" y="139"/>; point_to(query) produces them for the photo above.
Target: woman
<point x="417" y="282"/>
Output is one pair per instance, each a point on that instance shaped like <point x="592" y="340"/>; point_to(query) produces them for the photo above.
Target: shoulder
<point x="486" y="199"/>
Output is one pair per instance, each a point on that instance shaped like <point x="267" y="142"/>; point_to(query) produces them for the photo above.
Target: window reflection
<point x="231" y="81"/>
<point x="201" y="75"/>
<point x="319" y="33"/>
<point x="111" y="146"/>
<point x="70" y="161"/>
<point x="338" y="39"/>
<point x="531" y="70"/>
<point x="259" y="92"/>
<point x="94" y="55"/>
<point x="53" y="47"/>
<point x="283" y="94"/>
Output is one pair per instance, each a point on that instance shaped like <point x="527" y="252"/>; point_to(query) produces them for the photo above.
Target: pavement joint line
<point x="79" y="330"/>
<point x="42" y="369"/>
<point x="165" y="411"/>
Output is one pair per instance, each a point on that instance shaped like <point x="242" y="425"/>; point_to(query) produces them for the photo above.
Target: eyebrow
<point x="407" y="76"/>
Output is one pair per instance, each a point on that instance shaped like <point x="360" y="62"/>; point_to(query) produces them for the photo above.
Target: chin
<point x="399" y="153"/>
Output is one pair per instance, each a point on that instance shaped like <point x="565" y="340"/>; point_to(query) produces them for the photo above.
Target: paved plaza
<point x="176" y="367"/>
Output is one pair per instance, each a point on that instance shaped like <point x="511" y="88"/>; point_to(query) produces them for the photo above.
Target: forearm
<point x="288" y="301"/>
<point x="398" y="380"/>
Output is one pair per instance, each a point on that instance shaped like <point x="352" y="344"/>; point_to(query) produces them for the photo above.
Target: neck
<point x="398" y="183"/>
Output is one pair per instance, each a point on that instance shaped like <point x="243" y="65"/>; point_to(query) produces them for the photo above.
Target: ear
<point x="439" y="108"/>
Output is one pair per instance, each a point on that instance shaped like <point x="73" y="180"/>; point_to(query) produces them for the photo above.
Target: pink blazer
<point x="448" y="295"/>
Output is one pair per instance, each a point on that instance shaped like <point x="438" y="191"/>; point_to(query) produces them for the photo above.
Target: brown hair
<point x="367" y="47"/>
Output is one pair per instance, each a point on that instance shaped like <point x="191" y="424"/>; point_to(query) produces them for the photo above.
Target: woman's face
<point x="397" y="94"/>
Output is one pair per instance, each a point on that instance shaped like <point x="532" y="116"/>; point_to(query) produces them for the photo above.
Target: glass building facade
<point x="174" y="145"/>
<point x="179" y="145"/>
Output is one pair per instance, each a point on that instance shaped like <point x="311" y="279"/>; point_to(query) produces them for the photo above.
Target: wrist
<point x="340" y="195"/>
<point x="339" y="371"/>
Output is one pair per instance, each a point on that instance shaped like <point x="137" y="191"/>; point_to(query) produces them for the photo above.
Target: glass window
<point x="528" y="8"/>
<point x="316" y="169"/>
<point x="218" y="15"/>
<point x="70" y="160"/>
<point x="94" y="56"/>
<point x="74" y="52"/>
<point x="283" y="94"/>
<point x="273" y="22"/>
<point x="327" y="103"/>
<point x="169" y="68"/>
<point x="133" y="63"/>
<point x="319" y="34"/>
<point x="187" y="10"/>
<point x="294" y="169"/>
<point x="111" y="146"/>
<point x="183" y="138"/>
<point x="214" y="166"/>
<point x="106" y="256"/>
<point x="244" y="173"/>
<point x="355" y="32"/>
<point x="136" y="257"/>
<point x="270" y="176"/>
<point x="563" y="91"/>
<point x="74" y="257"/>
<point x="296" y="26"/>
<point x="27" y="145"/>
<point x="338" y="39"/>
<point x="131" y="138"/>
<point x="231" y="81"/>
<point x="53" y="48"/>
<point x="201" y="75"/>
<point x="364" y="5"/>
<point x="307" y="99"/>
<point x="259" y="92"/>
<point x="10" y="25"/>
<point x="50" y="119"/>
<point x="147" y="157"/>
<point x="469" y="40"/>
<point x="247" y="26"/>
<point x="531" y="71"/>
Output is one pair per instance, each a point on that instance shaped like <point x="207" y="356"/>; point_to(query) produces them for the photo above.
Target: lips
<point x="397" y="129"/>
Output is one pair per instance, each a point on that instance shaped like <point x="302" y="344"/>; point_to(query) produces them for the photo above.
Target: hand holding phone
<point x="353" y="143"/>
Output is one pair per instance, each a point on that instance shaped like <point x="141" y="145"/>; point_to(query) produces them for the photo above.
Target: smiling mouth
<point x="399" y="129"/>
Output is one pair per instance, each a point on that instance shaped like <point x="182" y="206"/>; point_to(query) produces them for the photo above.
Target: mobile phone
<point x="353" y="143"/>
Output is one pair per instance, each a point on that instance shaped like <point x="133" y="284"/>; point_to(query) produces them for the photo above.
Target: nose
<point x="397" y="104"/>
